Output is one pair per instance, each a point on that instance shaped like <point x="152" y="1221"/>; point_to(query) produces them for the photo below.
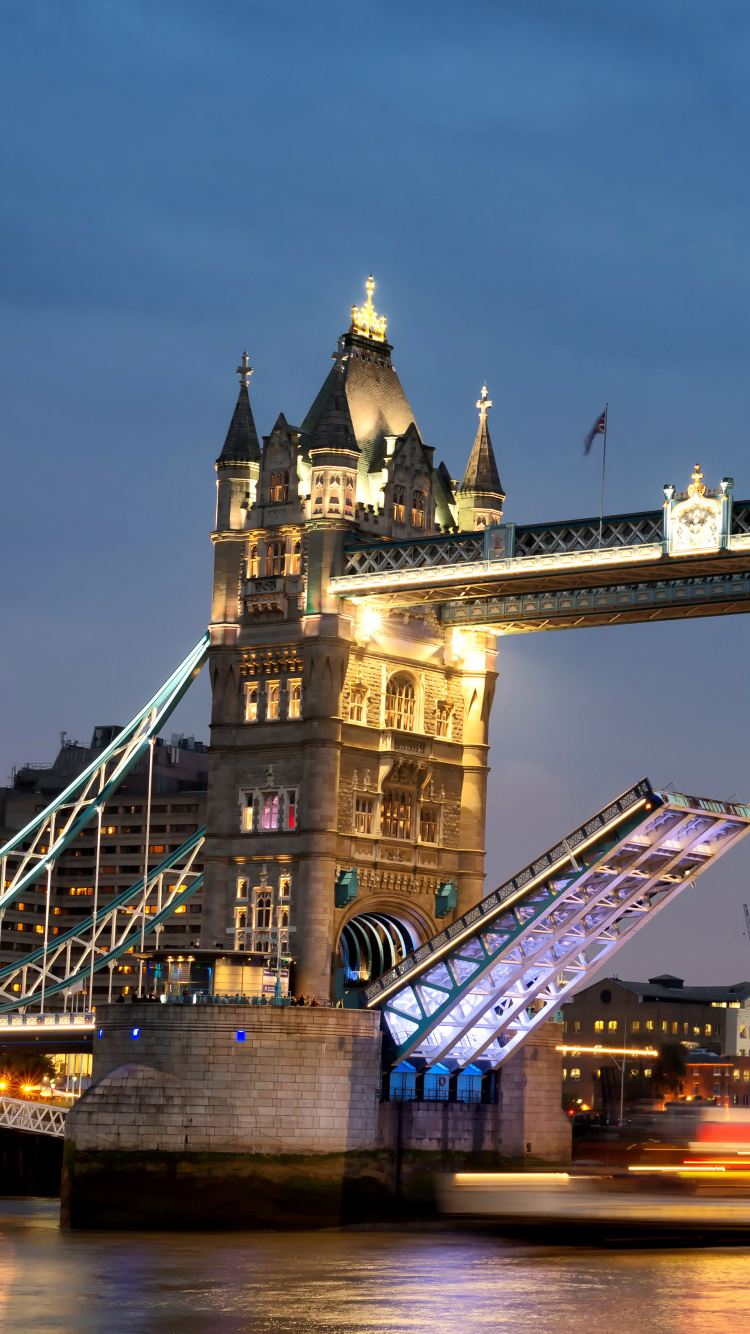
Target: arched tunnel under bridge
<point x="370" y="943"/>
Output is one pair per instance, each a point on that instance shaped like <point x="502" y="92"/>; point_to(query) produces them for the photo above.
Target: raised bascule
<point x="358" y="592"/>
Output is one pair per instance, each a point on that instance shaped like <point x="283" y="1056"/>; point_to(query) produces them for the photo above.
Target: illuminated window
<point x="648" y="1072"/>
<point x="253" y="562"/>
<point x="675" y="1027"/>
<point x="242" y="889"/>
<point x="635" y="1026"/>
<point x="736" y="1076"/>
<point x="400" y="703"/>
<point x="247" y="818"/>
<point x="334" y="493"/>
<point x="363" y="815"/>
<point x="443" y="713"/>
<point x="295" y="699"/>
<point x="598" y="1025"/>
<point x="156" y="847"/>
<point x="685" y="1029"/>
<point x="428" y="824"/>
<point x="357" y="704"/>
<point x="696" y="1030"/>
<point x="57" y="911"/>
<point x="743" y="1032"/>
<point x="746" y="1076"/>
<point x="649" y="1025"/>
<point x="707" y="1030"/>
<point x="272" y="701"/>
<point x="576" y="1025"/>
<point x="611" y="1025"/>
<point x="575" y="1074"/>
<point x="263" y="909"/>
<point x="417" y="509"/>
<point x="271" y="810"/>
<point x="565" y="1073"/>
<point x="285" y="886"/>
<point x="251" y="704"/>
<point x="396" y="817"/>
<point x="275" y="559"/>
<point x="40" y="932"/>
<point x="295" y="560"/>
<point x="109" y="829"/>
<point x="81" y="889"/>
<point x="664" y="1026"/>
<point x="182" y="908"/>
<point x="279" y="486"/>
<point x="399" y="504"/>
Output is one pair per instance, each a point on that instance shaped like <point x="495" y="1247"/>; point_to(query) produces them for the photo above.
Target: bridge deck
<point x="482" y="985"/>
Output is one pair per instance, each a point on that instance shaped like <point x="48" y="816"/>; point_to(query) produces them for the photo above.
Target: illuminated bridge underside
<point x="482" y="985"/>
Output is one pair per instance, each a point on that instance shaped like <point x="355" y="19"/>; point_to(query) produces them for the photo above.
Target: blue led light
<point x="135" y="1032"/>
<point x="100" y="1034"/>
<point x="240" y="1035"/>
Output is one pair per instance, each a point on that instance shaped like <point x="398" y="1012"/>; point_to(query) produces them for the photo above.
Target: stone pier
<point x="187" y="1126"/>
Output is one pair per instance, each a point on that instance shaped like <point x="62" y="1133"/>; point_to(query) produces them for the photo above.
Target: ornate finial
<point x="365" y="320"/>
<point x="339" y="356"/>
<point x="244" y="370"/>
<point x="483" y="403"/>
<point x="698" y="486"/>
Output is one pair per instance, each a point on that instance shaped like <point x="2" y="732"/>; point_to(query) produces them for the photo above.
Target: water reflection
<point x="351" y="1283"/>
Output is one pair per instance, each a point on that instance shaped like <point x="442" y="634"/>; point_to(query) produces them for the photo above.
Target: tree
<point x="670" y="1069"/>
<point x="19" y="1069"/>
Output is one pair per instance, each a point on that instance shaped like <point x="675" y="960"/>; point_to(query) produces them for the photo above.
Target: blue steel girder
<point x="54" y="828"/>
<point x="482" y="985"/>
<point x="71" y="953"/>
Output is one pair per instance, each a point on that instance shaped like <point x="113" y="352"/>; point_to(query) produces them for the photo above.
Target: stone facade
<point x="326" y="716"/>
<point x="185" y="1126"/>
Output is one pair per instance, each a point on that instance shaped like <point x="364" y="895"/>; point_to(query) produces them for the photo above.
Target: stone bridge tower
<point x="343" y="738"/>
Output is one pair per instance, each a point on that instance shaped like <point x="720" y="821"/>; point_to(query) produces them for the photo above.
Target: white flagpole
<point x="604" y="464"/>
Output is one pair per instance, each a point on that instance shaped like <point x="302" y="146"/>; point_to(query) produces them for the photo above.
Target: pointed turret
<point x="335" y="453"/>
<point x="481" y="495"/>
<point x="239" y="461"/>
<point x="242" y="444"/>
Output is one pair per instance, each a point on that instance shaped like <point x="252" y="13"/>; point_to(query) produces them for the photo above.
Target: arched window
<point x="399" y="504"/>
<point x="428" y="824"/>
<point x="400" y="703"/>
<point x="443" y="712"/>
<point x="275" y="559"/>
<point x="253" y="563"/>
<point x="279" y="486"/>
<point x="251" y="704"/>
<point x="295" y="561"/>
<point x="396" y="818"/>
<point x="295" y="699"/>
<point x="417" y="509"/>
<point x="357" y="704"/>
<point x="262" y="910"/>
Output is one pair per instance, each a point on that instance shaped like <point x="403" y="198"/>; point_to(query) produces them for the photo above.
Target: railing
<point x="21" y="1023"/>
<point x="35" y="1117"/>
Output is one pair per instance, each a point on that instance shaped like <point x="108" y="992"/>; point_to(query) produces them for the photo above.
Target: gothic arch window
<point x="417" y="509"/>
<point x="253" y="562"/>
<point x="280" y="485"/>
<point x="295" y="560"/>
<point x="396" y="814"/>
<point x="399" y="504"/>
<point x="275" y="559"/>
<point x="358" y="704"/>
<point x="428" y="824"/>
<point x="251" y="704"/>
<point x="400" y="703"/>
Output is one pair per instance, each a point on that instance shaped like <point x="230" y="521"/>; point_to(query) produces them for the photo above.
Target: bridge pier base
<point x="220" y="1117"/>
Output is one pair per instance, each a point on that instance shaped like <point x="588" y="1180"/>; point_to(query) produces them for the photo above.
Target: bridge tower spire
<point x="481" y="495"/>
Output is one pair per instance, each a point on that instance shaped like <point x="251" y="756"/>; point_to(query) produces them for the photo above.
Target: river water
<point x="352" y="1283"/>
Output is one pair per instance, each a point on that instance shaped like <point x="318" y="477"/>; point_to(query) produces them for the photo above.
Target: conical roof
<point x="481" y="471"/>
<point x="242" y="444"/>
<point x="335" y="429"/>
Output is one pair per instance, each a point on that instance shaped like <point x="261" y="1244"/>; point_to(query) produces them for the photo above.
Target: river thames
<point x="352" y="1283"/>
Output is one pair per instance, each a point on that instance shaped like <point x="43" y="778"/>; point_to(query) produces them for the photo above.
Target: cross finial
<point x="697" y="475"/>
<point x="244" y="370"/>
<point x="339" y="356"/>
<point x="483" y="403"/>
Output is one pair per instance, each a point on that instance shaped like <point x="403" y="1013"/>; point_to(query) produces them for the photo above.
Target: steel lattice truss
<point x="99" y="940"/>
<point x="482" y="985"/>
<point x="37" y="846"/>
<point x="37" y="1117"/>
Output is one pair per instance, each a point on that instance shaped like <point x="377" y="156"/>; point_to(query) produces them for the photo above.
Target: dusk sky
<point x="552" y="195"/>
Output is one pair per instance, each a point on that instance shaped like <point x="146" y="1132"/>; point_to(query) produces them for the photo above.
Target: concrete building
<point x="613" y="1013"/>
<point x="341" y="740"/>
<point x="178" y="809"/>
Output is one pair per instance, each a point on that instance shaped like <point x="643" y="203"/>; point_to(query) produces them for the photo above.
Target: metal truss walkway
<point x="36" y="1117"/>
<point x="482" y="985"/>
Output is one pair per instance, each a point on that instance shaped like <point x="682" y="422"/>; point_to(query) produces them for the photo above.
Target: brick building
<point x="615" y="1013"/>
<point x="178" y="808"/>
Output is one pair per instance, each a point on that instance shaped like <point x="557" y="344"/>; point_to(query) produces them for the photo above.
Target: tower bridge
<point x="358" y="592"/>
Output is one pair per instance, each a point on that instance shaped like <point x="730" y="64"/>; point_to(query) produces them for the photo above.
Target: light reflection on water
<point x="352" y="1283"/>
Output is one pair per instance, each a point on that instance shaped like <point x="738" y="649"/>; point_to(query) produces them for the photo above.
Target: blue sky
<point x="552" y="196"/>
